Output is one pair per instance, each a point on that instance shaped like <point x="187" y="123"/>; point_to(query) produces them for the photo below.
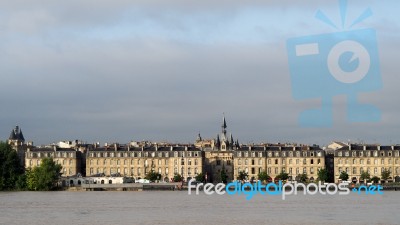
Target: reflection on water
<point x="177" y="207"/>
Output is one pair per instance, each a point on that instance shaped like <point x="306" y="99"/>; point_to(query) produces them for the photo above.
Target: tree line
<point x="14" y="177"/>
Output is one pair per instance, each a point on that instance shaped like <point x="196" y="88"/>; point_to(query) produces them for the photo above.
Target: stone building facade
<point x="355" y="159"/>
<point x="137" y="162"/>
<point x="69" y="159"/>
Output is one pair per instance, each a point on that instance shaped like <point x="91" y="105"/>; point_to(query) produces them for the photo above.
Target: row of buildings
<point x="212" y="157"/>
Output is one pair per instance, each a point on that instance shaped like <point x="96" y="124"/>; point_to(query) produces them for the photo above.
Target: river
<point x="177" y="207"/>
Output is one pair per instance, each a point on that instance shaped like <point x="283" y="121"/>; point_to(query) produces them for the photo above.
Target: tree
<point x="375" y="179"/>
<point x="303" y="177"/>
<point x="43" y="177"/>
<point x="282" y="176"/>
<point x="10" y="167"/>
<point x="323" y="175"/>
<point x="263" y="176"/>
<point x="224" y="177"/>
<point x="178" y="177"/>
<point x="200" y="178"/>
<point x="385" y="174"/>
<point x="242" y="176"/>
<point x="365" y="176"/>
<point x="344" y="176"/>
<point x="153" y="176"/>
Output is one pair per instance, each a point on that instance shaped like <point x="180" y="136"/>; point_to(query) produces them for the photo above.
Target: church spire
<point x="224" y="126"/>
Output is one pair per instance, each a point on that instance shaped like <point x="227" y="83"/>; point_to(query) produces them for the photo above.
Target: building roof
<point x="16" y="134"/>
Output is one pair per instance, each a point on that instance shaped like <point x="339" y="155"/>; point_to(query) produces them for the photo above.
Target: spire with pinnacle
<point x="224" y="126"/>
<point x="217" y="142"/>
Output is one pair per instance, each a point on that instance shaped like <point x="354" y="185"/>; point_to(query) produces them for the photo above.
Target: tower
<point x="16" y="137"/>
<point x="17" y="142"/>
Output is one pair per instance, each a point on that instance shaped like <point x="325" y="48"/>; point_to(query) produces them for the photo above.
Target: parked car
<point x="142" y="181"/>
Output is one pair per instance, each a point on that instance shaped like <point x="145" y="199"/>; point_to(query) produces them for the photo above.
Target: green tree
<point x="200" y="177"/>
<point x="323" y="175"/>
<point x="153" y="176"/>
<point x="344" y="176"/>
<point x="303" y="177"/>
<point x="282" y="176"/>
<point x="43" y="177"/>
<point x="224" y="177"/>
<point x="242" y="175"/>
<point x="365" y="176"/>
<point x="10" y="167"/>
<point x="178" y="177"/>
<point x="375" y="179"/>
<point x="385" y="174"/>
<point x="263" y="176"/>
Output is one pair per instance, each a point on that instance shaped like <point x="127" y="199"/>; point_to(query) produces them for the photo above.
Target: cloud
<point x="116" y="71"/>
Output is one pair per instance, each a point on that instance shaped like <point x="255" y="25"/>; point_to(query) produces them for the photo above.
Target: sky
<point x="116" y="71"/>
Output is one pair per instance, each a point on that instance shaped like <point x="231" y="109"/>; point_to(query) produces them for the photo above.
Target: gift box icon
<point x="341" y="63"/>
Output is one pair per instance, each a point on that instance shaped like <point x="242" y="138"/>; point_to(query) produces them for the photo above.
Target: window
<point x="239" y="162"/>
<point x="245" y="162"/>
<point x="312" y="161"/>
<point x="269" y="170"/>
<point x="312" y="170"/>
<point x="269" y="161"/>
<point x="252" y="162"/>
<point x="195" y="162"/>
<point x="354" y="170"/>
<point x="276" y="170"/>
<point x="218" y="162"/>
<point x="276" y="161"/>
<point x="183" y="161"/>
<point x="228" y="162"/>
<point x="319" y="161"/>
